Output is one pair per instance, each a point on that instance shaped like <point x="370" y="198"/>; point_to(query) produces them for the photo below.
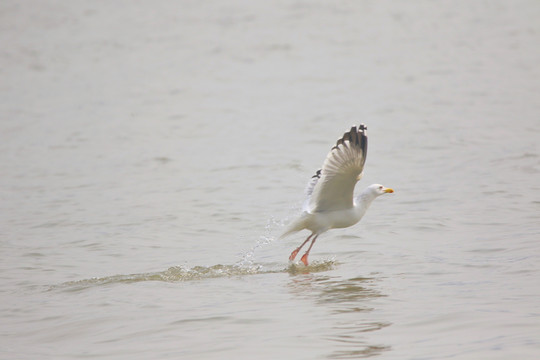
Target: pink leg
<point x="305" y="256"/>
<point x="295" y="252"/>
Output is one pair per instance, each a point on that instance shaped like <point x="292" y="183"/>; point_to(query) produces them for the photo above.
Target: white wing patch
<point x="309" y="189"/>
<point x="311" y="185"/>
<point x="332" y="187"/>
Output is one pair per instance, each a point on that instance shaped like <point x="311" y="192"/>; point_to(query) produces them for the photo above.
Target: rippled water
<point x="151" y="154"/>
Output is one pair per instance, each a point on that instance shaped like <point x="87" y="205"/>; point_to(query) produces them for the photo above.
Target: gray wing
<point x="332" y="187"/>
<point x="309" y="188"/>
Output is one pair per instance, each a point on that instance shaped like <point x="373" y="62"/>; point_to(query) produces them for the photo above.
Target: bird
<point x="330" y="201"/>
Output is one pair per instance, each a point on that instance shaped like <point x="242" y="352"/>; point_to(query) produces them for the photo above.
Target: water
<point x="151" y="154"/>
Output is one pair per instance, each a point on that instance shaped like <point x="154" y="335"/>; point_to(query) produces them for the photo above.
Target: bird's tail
<point x="295" y="226"/>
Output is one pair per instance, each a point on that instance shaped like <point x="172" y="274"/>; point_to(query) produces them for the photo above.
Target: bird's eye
<point x="380" y="187"/>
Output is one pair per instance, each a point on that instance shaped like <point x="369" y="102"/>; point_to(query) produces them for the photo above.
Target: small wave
<point x="181" y="273"/>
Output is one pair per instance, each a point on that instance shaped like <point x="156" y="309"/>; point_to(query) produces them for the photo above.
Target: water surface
<point x="151" y="154"/>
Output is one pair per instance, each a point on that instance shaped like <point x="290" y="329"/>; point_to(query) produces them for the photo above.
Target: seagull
<point x="330" y="201"/>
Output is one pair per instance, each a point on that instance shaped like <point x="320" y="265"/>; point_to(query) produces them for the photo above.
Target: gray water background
<point x="151" y="153"/>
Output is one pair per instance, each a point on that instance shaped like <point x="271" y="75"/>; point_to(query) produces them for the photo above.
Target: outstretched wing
<point x="309" y="189"/>
<point x="332" y="187"/>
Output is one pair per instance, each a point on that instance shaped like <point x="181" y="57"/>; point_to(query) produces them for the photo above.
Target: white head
<point x="369" y="194"/>
<point x="378" y="190"/>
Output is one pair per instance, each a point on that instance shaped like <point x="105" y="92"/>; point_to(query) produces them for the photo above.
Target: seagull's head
<point x="379" y="190"/>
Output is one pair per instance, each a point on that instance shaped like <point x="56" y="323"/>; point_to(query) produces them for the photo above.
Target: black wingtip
<point x="354" y="135"/>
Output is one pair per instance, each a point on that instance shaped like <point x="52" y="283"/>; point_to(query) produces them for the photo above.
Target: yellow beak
<point x="388" y="190"/>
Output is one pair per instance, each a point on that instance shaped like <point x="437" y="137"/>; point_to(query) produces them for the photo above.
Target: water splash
<point x="245" y="266"/>
<point x="181" y="274"/>
<point x="247" y="258"/>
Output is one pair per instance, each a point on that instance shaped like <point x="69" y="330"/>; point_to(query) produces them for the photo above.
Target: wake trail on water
<point x="245" y="266"/>
<point x="182" y="273"/>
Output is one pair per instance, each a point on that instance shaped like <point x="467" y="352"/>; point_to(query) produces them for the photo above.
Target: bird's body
<point x="321" y="221"/>
<point x="330" y="202"/>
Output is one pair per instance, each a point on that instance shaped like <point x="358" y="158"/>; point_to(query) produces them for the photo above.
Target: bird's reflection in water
<point x="348" y="309"/>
